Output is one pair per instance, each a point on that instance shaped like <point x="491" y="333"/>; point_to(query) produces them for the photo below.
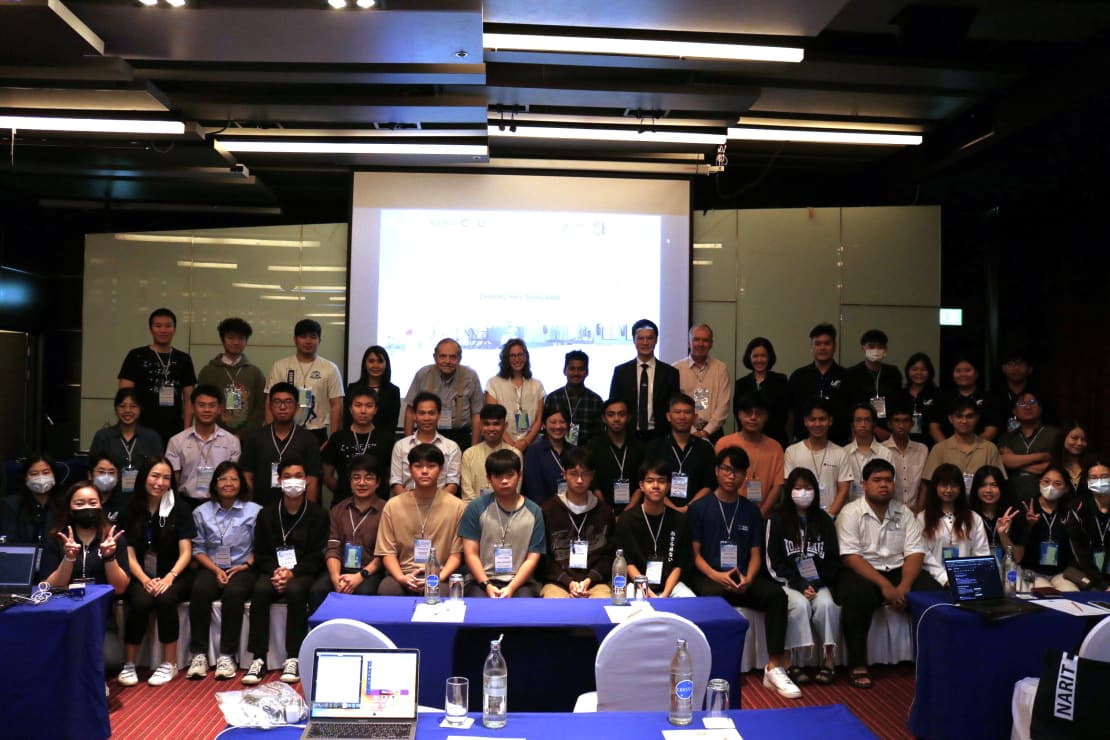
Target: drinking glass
<point x="716" y="698"/>
<point x="458" y="700"/>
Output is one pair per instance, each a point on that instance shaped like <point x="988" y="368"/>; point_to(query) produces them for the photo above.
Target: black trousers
<point x="323" y="586"/>
<point x="859" y="598"/>
<point x="296" y="601"/>
<point x="140" y="605"/>
<point x="763" y="595"/>
<point x="233" y="598"/>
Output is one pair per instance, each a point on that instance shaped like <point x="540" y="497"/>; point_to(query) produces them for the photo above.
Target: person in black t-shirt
<point x="363" y="437"/>
<point x="264" y="450"/>
<point x="163" y="376"/>
<point x="823" y="378"/>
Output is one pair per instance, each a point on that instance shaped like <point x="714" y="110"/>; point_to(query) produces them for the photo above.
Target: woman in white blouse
<point x="522" y="395"/>
<point x="950" y="528"/>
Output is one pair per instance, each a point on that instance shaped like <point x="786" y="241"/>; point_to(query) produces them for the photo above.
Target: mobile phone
<point x="1102" y="604"/>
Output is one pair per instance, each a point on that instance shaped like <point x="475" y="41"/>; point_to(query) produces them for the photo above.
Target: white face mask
<point x="874" y="355"/>
<point x="1051" y="493"/>
<point x="104" y="482"/>
<point x="293" y="487"/>
<point x="803" y="497"/>
<point x="1101" y="485"/>
<point x="40" y="483"/>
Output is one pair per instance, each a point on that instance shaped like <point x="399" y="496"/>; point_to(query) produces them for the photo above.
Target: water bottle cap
<point x="681" y="643"/>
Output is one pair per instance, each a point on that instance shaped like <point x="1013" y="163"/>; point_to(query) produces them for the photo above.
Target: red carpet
<point x="187" y="710"/>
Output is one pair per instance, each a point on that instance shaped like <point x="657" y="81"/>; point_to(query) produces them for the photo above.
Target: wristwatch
<point x="483" y="585"/>
<point x="364" y="573"/>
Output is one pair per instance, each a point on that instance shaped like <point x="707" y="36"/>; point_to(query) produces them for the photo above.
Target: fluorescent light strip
<point x="889" y="127"/>
<point x="602" y="134"/>
<point x="257" y="286"/>
<point x="92" y="125"/>
<point x="208" y="265"/>
<point x="282" y="297"/>
<point x="823" y="137"/>
<point x="320" y="289"/>
<point x="228" y="241"/>
<point x="353" y="147"/>
<point x="641" y="47"/>
<point x="326" y="315"/>
<point x="305" y="268"/>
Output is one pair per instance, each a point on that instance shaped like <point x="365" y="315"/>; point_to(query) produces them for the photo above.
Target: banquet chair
<point x="633" y="665"/>
<point x="338" y="633"/>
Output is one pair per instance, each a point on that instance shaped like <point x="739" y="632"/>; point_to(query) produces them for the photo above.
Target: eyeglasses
<point x="282" y="401"/>
<point x="966" y="417"/>
<point x="1031" y="403"/>
<point x="228" y="479"/>
<point x="729" y="471"/>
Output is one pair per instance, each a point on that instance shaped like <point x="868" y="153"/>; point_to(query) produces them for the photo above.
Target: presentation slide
<point x="563" y="263"/>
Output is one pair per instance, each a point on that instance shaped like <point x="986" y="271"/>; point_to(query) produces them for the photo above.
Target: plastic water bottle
<point x="1009" y="574"/>
<point x="620" y="579"/>
<point x="431" y="578"/>
<point x="495" y="686"/>
<point x="682" y="686"/>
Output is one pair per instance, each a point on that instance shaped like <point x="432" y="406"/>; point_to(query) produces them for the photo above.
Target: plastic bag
<point x="270" y="705"/>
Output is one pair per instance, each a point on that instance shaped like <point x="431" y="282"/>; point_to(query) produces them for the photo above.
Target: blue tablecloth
<point x="723" y="626"/>
<point x="52" y="683"/>
<point x="967" y="666"/>
<point x="832" y="722"/>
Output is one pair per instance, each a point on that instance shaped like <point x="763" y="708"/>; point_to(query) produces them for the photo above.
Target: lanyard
<point x="730" y="522"/>
<point x="285" y="534"/>
<point x="681" y="460"/>
<point x="1101" y="529"/>
<point x="1029" y="444"/>
<point x="506" y="524"/>
<point x="1050" y="522"/>
<point x="818" y="467"/>
<point x="878" y="375"/>
<point x="233" y="378"/>
<point x="206" y="447"/>
<point x="360" y="449"/>
<point x="624" y="457"/>
<point x="351" y="517"/>
<point x="281" y="450"/>
<point x="306" y="373"/>
<point x="230" y="519"/>
<point x="559" y="463"/>
<point x="165" y="367"/>
<point x="572" y="409"/>
<point x="655" y="535"/>
<point x="129" y="450"/>
<point x="424" y="518"/>
<point x="577" y="527"/>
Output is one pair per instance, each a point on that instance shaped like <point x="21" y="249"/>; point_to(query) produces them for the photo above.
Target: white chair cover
<point x="338" y="633"/>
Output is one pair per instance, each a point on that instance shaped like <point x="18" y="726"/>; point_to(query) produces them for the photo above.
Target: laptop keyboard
<point x="400" y="730"/>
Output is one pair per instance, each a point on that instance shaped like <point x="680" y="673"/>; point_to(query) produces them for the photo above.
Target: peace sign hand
<point x="71" y="545"/>
<point x="108" y="544"/>
<point x="1003" y="526"/>
<point x="1031" y="514"/>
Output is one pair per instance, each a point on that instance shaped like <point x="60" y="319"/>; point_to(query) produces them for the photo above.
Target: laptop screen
<point x="358" y="683"/>
<point x="973" y="579"/>
<point x="17" y="566"/>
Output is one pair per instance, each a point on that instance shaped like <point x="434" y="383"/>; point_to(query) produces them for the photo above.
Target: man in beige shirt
<point x="706" y="380"/>
<point x="493" y="418"/>
<point x="414" y="521"/>
<point x="965" y="449"/>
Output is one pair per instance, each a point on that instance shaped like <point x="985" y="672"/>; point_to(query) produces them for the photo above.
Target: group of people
<point x="216" y="494"/>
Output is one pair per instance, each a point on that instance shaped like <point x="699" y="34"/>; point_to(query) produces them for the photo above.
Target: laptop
<point x="18" y="566"/>
<point x="976" y="585"/>
<point x="363" y="693"/>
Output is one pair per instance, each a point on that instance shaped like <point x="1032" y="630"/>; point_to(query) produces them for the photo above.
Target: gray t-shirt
<point x="485" y="522"/>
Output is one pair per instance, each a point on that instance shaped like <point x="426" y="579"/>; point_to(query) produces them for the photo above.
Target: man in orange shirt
<point x="763" y="485"/>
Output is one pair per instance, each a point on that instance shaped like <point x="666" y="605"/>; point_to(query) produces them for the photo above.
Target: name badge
<point x="701" y="399"/>
<point x="855" y="490"/>
<point x="968" y="478"/>
<point x="807" y="569"/>
<point x="420" y="549"/>
<point x="579" y="550"/>
<point x="655" y="572"/>
<point x="522" y="422"/>
<point x="306" y="399"/>
<point x="275" y="482"/>
<point x="222" y="556"/>
<point x="1012" y="424"/>
<point x="679" y="482"/>
<point x="917" y="427"/>
<point x="165" y="395"/>
<point x="446" y="417"/>
<point x="150" y="563"/>
<point x="127" y="478"/>
<point x="1100" y="561"/>
<point x="352" y="556"/>
<point x="572" y="434"/>
<point x="878" y="403"/>
<point x="287" y="557"/>
<point x="233" y="399"/>
<point x="729" y="552"/>
<point x="502" y="560"/>
<point x="1050" y="553"/>
<point x="949" y="553"/>
<point x="204" y="481"/>
<point x="622" y="491"/>
<point x="823" y="493"/>
<point x="562" y="487"/>
<point x="755" y="491"/>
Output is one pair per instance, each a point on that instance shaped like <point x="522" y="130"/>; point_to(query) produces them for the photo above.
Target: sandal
<point x="797" y="675"/>
<point x="825" y="676"/>
<point x="860" y="678"/>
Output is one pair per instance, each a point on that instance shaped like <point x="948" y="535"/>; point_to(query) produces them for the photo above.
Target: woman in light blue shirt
<point x="224" y="550"/>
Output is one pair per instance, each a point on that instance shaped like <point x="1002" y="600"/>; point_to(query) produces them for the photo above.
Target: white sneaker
<point x="289" y="671"/>
<point x="776" y="678"/>
<point x="163" y="674"/>
<point x="254" y="673"/>
<point x="225" y="668"/>
<point x="199" y="667"/>
<point x="128" y="676"/>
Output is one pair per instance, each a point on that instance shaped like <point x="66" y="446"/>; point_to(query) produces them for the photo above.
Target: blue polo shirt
<point x="713" y="521"/>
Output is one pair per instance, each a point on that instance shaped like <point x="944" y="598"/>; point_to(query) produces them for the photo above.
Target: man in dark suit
<point x="645" y="384"/>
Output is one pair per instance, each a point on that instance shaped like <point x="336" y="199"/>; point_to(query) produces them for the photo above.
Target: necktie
<point x="642" y="408"/>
